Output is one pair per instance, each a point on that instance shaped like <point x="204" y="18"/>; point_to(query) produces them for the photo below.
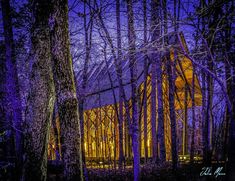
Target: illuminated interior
<point x="101" y="132"/>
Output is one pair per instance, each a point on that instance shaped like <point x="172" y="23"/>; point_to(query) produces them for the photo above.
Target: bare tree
<point x="88" y="29"/>
<point x="145" y="82"/>
<point x="155" y="30"/>
<point x="171" y="97"/>
<point x="157" y="83"/>
<point x="119" y="57"/>
<point x="133" y="72"/>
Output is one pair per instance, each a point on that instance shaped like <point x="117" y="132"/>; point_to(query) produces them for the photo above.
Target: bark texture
<point x="41" y="96"/>
<point x="133" y="72"/>
<point x="66" y="93"/>
<point x="171" y="97"/>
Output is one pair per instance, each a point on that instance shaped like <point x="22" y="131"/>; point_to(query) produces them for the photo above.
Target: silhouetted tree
<point x="14" y="114"/>
<point x="133" y="76"/>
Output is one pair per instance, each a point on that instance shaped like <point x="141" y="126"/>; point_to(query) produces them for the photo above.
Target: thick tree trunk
<point x="171" y="98"/>
<point x="41" y="97"/>
<point x="14" y="113"/>
<point x="133" y="72"/>
<point x="66" y="93"/>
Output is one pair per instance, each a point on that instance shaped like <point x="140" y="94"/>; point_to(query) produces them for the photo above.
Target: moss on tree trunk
<point x="66" y="93"/>
<point x="41" y="97"/>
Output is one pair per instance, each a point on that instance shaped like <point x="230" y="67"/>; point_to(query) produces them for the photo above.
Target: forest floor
<point x="185" y="172"/>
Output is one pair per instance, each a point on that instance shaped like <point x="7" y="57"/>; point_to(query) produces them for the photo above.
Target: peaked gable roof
<point x="99" y="92"/>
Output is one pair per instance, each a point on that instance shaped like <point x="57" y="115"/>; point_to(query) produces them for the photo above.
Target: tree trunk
<point x="231" y="129"/>
<point x="117" y="67"/>
<point x="209" y="105"/>
<point x="133" y="72"/>
<point x="231" y="143"/>
<point x="171" y="97"/>
<point x="192" y="150"/>
<point x="161" y="118"/>
<point x="185" y="129"/>
<point x="119" y="57"/>
<point x="154" y="111"/>
<point x="161" y="135"/>
<point x="204" y="122"/>
<point x="176" y="15"/>
<point x="157" y="75"/>
<point x="230" y="82"/>
<point x="41" y="96"/>
<point x="56" y="129"/>
<point x="88" y="41"/>
<point x="145" y="84"/>
<point x="66" y="93"/>
<point x="165" y="25"/>
<point x="155" y="31"/>
<point x="12" y="85"/>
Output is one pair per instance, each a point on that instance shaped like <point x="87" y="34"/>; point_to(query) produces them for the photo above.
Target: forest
<point x="117" y="90"/>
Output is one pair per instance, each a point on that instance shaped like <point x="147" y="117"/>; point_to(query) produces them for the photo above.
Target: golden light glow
<point x="85" y="146"/>
<point x="101" y="128"/>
